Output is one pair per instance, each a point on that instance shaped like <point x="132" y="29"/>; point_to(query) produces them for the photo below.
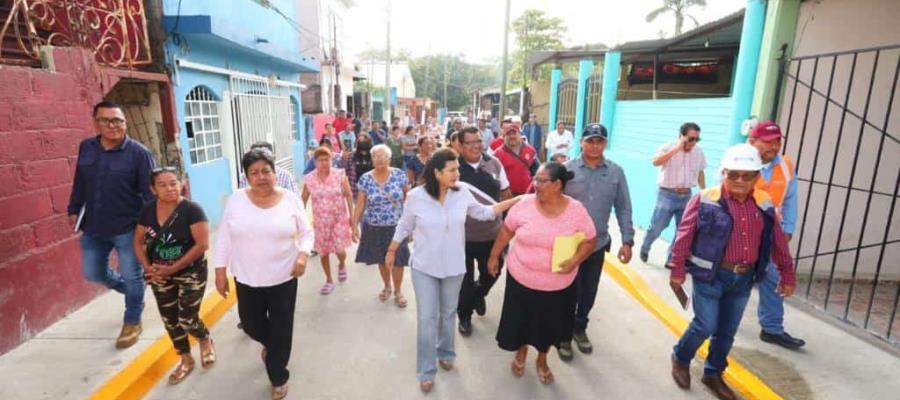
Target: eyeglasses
<point x="541" y="181"/>
<point x="380" y="158"/>
<point x="746" y="176"/>
<point x="693" y="139"/>
<point x="111" y="121"/>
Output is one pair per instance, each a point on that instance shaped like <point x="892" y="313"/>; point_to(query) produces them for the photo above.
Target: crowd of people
<point x="458" y="198"/>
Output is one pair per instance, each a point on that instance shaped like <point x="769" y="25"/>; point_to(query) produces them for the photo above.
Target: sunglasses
<point x="692" y="139"/>
<point x="163" y="169"/>
<point x="746" y="176"/>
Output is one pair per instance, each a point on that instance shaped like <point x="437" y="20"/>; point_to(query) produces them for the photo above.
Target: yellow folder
<point x="564" y="247"/>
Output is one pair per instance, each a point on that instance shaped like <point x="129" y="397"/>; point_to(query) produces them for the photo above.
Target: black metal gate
<point x="568" y="97"/>
<point x="595" y="89"/>
<point x="843" y="138"/>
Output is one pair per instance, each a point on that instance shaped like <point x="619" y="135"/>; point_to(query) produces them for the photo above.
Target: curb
<point x="745" y="382"/>
<point x="154" y="363"/>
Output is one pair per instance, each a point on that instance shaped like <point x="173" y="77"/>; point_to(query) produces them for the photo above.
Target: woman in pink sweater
<point x="539" y="304"/>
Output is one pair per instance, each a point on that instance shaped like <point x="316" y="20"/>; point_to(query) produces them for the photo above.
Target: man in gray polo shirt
<point x="599" y="185"/>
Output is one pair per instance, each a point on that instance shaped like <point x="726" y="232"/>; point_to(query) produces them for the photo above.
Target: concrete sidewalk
<point x="832" y="365"/>
<point x="349" y="345"/>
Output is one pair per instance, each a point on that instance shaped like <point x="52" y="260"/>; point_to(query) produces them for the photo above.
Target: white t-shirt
<point x="557" y="143"/>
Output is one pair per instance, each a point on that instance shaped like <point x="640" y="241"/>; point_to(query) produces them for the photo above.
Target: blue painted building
<point x="649" y="88"/>
<point x="235" y="68"/>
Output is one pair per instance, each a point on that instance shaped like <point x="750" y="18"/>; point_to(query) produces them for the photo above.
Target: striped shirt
<point x="683" y="169"/>
<point x="283" y="179"/>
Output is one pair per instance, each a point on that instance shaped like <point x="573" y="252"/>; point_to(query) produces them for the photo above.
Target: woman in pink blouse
<point x="539" y="304"/>
<point x="264" y="239"/>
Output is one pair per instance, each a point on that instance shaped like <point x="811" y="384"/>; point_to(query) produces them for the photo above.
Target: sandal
<point x="327" y="288"/>
<point x="385" y="294"/>
<point x="279" y="392"/>
<point x="426" y="386"/>
<point x="446" y="364"/>
<point x="517" y="367"/>
<point x="544" y="375"/>
<point x="400" y="300"/>
<point x="208" y="357"/>
<point x="181" y="371"/>
<point x="342" y="274"/>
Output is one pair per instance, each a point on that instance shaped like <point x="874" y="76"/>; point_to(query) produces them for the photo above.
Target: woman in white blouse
<point x="435" y="216"/>
<point x="265" y="240"/>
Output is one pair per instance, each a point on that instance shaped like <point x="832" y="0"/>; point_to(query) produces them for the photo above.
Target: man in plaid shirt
<point x="284" y="178"/>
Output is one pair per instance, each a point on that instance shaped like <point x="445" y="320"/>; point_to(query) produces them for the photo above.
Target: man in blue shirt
<point x="535" y="134"/>
<point x="112" y="183"/>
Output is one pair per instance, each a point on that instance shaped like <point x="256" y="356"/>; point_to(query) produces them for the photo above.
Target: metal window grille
<point x="843" y="138"/>
<point x="201" y="115"/>
<point x="263" y="112"/>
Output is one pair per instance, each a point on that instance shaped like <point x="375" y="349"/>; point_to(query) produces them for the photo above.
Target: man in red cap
<point x="518" y="159"/>
<point x="777" y="179"/>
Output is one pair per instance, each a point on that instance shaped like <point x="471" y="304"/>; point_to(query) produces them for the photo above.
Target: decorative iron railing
<point x="114" y="30"/>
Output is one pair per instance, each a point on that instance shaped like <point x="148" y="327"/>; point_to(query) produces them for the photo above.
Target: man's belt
<point x="677" y="190"/>
<point x="737" y="268"/>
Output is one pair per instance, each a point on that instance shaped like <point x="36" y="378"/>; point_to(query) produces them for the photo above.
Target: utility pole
<point x="505" y="63"/>
<point x="387" y="69"/>
<point x="446" y="106"/>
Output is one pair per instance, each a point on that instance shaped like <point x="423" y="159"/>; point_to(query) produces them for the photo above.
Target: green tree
<point x="462" y="78"/>
<point x="534" y="31"/>
<point x="679" y="9"/>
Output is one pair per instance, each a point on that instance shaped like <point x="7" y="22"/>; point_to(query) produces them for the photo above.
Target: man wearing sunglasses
<point x="727" y="238"/>
<point x="777" y="179"/>
<point x="112" y="183"/>
<point x="681" y="164"/>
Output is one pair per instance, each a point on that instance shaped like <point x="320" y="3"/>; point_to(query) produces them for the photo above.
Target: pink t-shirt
<point x="531" y="254"/>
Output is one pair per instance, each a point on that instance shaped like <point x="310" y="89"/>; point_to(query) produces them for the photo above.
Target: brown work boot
<point x="681" y="373"/>
<point x="718" y="387"/>
<point x="129" y="335"/>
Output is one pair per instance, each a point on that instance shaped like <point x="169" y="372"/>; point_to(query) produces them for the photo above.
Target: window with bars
<point x="201" y="118"/>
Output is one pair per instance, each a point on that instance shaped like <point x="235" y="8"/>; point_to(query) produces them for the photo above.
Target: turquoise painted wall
<point x="245" y="20"/>
<point x="237" y="49"/>
<point x="641" y="126"/>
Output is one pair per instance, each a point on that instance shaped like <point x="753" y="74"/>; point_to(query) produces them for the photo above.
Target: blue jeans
<point x="668" y="204"/>
<point x="771" y="304"/>
<point x="436" y="302"/>
<point x="718" y="309"/>
<point x="128" y="280"/>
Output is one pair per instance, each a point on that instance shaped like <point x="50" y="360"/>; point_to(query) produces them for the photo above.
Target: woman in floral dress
<point x="332" y="204"/>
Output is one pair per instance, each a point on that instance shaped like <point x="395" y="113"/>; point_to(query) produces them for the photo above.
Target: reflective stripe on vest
<point x="777" y="186"/>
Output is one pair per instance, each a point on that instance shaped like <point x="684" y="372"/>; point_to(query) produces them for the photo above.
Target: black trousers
<point x="473" y="292"/>
<point x="586" y="283"/>
<point x="267" y="316"/>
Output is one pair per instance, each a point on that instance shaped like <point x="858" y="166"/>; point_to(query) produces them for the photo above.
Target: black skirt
<point x="534" y="317"/>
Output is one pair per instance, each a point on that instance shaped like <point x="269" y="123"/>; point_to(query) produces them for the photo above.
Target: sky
<point x="474" y="28"/>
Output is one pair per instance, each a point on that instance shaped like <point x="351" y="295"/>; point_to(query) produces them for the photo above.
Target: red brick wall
<point x="43" y="117"/>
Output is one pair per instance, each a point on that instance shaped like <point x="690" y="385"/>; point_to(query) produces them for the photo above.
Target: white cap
<point x="742" y="157"/>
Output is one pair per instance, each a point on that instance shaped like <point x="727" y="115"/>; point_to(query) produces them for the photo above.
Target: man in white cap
<point x="726" y="239"/>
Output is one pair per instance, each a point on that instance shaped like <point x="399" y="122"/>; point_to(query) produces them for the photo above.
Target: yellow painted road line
<point x="155" y="363"/>
<point x="744" y="381"/>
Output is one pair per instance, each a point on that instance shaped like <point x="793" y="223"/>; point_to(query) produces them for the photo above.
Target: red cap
<point x="511" y="128"/>
<point x="766" y="130"/>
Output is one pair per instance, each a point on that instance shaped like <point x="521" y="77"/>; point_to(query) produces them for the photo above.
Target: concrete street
<point x="348" y="345"/>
